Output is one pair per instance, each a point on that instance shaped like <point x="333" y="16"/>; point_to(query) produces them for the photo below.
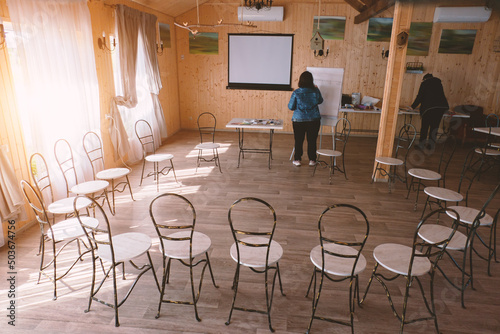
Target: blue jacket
<point x="304" y="102"/>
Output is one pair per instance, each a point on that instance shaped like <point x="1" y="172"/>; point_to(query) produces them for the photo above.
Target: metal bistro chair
<point x="174" y="219"/>
<point x="470" y="220"/>
<point x="404" y="142"/>
<point x="144" y="133"/>
<point x="422" y="174"/>
<point x="206" y="126"/>
<point x="412" y="264"/>
<point x="65" y="232"/>
<point x="493" y="120"/>
<point x="442" y="196"/>
<point x="340" y="135"/>
<point x="41" y="177"/>
<point x="115" y="250"/>
<point x="338" y="256"/>
<point x="253" y="222"/>
<point x="92" y="145"/>
<point x="96" y="189"/>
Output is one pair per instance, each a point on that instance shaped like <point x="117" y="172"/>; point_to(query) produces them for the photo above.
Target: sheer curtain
<point x="55" y="77"/>
<point x="137" y="80"/>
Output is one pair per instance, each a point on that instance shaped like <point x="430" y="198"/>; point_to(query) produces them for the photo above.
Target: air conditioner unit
<point x="462" y="14"/>
<point x="271" y="14"/>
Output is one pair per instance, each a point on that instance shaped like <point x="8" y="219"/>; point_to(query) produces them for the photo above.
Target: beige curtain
<point x="130" y="24"/>
<point x="11" y="198"/>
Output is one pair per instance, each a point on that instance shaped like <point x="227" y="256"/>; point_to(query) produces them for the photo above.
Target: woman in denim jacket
<point x="306" y="118"/>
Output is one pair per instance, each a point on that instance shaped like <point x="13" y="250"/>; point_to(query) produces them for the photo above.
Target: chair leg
<point x="211" y="272"/>
<point x="129" y="188"/>
<point x="162" y="292"/>
<point x="315" y="298"/>
<point x="235" y="288"/>
<point x="92" y="284"/>
<point x="142" y="174"/>
<point x="173" y="170"/>
<point x="195" y="298"/>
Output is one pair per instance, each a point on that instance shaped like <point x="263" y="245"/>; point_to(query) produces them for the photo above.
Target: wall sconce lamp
<point x="159" y="48"/>
<point x="101" y="43"/>
<point x="2" y="35"/>
<point x="385" y="53"/>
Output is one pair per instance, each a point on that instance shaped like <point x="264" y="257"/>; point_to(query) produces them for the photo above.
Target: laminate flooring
<point x="298" y="198"/>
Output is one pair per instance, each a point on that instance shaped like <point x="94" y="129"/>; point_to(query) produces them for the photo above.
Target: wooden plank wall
<point x="467" y="79"/>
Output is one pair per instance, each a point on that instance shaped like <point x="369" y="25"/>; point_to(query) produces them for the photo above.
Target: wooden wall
<point x="467" y="79"/>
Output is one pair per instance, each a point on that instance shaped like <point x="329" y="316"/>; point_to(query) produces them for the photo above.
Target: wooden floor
<point x="298" y="199"/>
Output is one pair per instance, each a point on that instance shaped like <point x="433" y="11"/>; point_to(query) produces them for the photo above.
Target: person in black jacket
<point x="433" y="105"/>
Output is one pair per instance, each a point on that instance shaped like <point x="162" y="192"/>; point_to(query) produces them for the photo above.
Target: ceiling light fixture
<point x="258" y="4"/>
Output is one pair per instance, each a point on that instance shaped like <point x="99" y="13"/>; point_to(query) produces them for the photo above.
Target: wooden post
<point x="393" y="82"/>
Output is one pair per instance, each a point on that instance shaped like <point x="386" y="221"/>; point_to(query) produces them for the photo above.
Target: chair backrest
<point x="252" y="222"/>
<point x="343" y="225"/>
<point x="470" y="173"/>
<point x="404" y="140"/>
<point x="66" y="162"/>
<point x="36" y="204"/>
<point x="206" y="126"/>
<point x="341" y="135"/>
<point x="434" y="251"/>
<point x="171" y="213"/>
<point x="92" y="145"/>
<point x="448" y="149"/>
<point x="492" y="120"/>
<point x="100" y="236"/>
<point x="144" y="133"/>
<point x="41" y="177"/>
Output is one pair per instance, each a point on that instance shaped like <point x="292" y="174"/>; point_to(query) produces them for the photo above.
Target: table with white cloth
<point x="240" y="124"/>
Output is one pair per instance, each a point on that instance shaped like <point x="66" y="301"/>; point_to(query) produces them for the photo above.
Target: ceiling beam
<point x="356" y="4"/>
<point x="373" y="10"/>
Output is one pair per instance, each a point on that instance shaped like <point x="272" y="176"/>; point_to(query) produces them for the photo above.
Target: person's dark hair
<point x="427" y="76"/>
<point x="306" y="80"/>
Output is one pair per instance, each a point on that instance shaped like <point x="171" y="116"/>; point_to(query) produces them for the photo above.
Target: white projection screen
<point x="260" y="61"/>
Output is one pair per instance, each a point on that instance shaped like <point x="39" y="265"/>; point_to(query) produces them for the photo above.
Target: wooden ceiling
<point x="174" y="8"/>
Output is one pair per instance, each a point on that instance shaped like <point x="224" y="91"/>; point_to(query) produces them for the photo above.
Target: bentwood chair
<point x="470" y="220"/>
<point x="493" y="120"/>
<point x="206" y="126"/>
<point x="144" y="133"/>
<point x="338" y="257"/>
<point x="413" y="263"/>
<point x="92" y="145"/>
<point x="404" y="143"/>
<point x="96" y="189"/>
<point x="114" y="250"/>
<point x="174" y="219"/>
<point x="419" y="175"/>
<point x="253" y="223"/>
<point x="335" y="155"/>
<point x="56" y="236"/>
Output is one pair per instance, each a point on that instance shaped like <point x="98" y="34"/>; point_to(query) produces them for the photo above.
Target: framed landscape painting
<point x="379" y="29"/>
<point x="330" y="27"/>
<point x="419" y="39"/>
<point x="457" y="41"/>
<point x="205" y="43"/>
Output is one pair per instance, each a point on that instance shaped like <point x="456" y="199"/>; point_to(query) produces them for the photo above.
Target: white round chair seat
<point x="180" y="249"/>
<point x="443" y="194"/>
<point x="207" y="146"/>
<point x="127" y="246"/>
<point x="89" y="187"/>
<point x="424" y="174"/>
<point x="489" y="151"/>
<point x="159" y="157"/>
<point x="336" y="265"/>
<point x="433" y="233"/>
<point x="389" y="161"/>
<point x="396" y="258"/>
<point x="255" y="257"/>
<point x="71" y="228"/>
<point x="65" y="205"/>
<point x="112" y="173"/>
<point x="467" y="215"/>
<point x="329" y="153"/>
<point x="495" y="145"/>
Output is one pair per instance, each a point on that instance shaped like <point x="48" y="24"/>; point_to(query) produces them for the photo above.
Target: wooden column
<point x="393" y="82"/>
